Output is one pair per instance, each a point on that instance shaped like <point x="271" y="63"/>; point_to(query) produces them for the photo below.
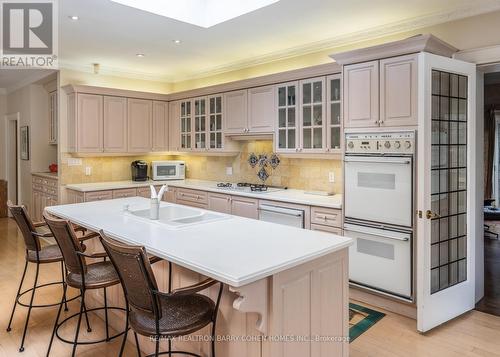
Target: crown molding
<point x="373" y="33"/>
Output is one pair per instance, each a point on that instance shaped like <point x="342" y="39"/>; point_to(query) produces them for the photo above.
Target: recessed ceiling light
<point x="176" y="41"/>
<point x="203" y="13"/>
<point x="74" y="17"/>
<point x="141" y="55"/>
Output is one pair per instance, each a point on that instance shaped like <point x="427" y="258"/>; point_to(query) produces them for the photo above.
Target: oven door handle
<point x="391" y="160"/>
<point x="356" y="230"/>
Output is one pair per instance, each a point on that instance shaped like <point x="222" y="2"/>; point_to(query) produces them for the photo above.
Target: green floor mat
<point x="361" y="319"/>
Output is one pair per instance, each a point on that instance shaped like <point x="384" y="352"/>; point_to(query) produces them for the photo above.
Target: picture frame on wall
<point x="25" y="143"/>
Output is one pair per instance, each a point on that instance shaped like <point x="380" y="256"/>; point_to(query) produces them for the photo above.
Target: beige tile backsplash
<point x="306" y="174"/>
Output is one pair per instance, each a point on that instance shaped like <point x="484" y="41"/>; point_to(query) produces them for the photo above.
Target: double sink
<point x="178" y="216"/>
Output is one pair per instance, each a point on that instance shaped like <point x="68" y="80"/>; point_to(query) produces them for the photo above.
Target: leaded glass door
<point x="287" y="136"/>
<point x="185" y="118"/>
<point x="445" y="249"/>
<point x="312" y="114"/>
<point x="215" y="122"/>
<point x="200" y="121"/>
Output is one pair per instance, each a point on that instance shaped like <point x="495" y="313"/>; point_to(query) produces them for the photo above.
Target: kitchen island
<point x="286" y="290"/>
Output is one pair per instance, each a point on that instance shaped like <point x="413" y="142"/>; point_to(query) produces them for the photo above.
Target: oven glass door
<point x="379" y="189"/>
<point x="166" y="171"/>
<point x="380" y="259"/>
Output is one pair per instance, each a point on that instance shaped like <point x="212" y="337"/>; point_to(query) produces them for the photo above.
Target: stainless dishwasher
<point x="281" y="215"/>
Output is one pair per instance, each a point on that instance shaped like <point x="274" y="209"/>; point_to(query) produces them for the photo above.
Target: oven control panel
<point x="380" y="143"/>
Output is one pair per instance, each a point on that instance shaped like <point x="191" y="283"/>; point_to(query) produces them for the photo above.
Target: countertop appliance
<point x="168" y="170"/>
<point x="379" y="207"/>
<point x="139" y="170"/>
<point x="281" y="215"/>
<point x="248" y="187"/>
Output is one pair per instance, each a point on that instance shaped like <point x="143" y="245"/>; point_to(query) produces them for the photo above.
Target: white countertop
<point x="258" y="249"/>
<point x="289" y="195"/>
<point x="49" y="175"/>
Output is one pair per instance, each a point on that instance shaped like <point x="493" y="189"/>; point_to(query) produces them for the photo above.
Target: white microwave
<point x="168" y="170"/>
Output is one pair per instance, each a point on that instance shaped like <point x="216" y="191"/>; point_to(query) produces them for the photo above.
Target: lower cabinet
<point x="219" y="203"/>
<point x="235" y="205"/>
<point x="127" y="192"/>
<point x="44" y="194"/>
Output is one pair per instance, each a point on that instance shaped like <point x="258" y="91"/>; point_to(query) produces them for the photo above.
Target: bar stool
<point x="82" y="276"/>
<point x="36" y="254"/>
<point x="156" y="314"/>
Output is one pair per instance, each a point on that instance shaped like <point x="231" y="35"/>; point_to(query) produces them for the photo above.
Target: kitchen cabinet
<point x="219" y="202"/>
<point x="98" y="196"/>
<point x="326" y="216"/>
<point x="160" y="126"/>
<point x="312" y="115"/>
<point x="44" y="193"/>
<point x="261" y="110"/>
<point x="215" y="122"/>
<point x="236" y="112"/>
<point x="139" y="125"/>
<point x="245" y="207"/>
<point x="185" y="125"/>
<point x="115" y="124"/>
<point x="334" y="113"/>
<point x="287" y="133"/>
<point x="144" y="192"/>
<point x="200" y="124"/>
<point x="53" y="118"/>
<point x="361" y="95"/>
<point x="192" y="197"/>
<point x="174" y="127"/>
<point x="89" y="123"/>
<point x="398" y="91"/>
<point x="327" y="229"/>
<point x="381" y="93"/>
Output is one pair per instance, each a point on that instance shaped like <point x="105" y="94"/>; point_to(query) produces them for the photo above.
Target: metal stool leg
<point x="64" y="285"/>
<point x="126" y="332"/>
<point x="106" y="314"/>
<point x="82" y="308"/>
<point x="57" y="320"/>
<point x="17" y="296"/>
<point x="89" y="329"/>
<point x="157" y="349"/>
<point x="21" y="349"/>
<point x="137" y="345"/>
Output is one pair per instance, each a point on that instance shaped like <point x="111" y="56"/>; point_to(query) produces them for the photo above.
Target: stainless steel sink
<point x="178" y="216"/>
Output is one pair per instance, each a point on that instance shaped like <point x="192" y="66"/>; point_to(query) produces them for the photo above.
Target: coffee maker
<point x="139" y="170"/>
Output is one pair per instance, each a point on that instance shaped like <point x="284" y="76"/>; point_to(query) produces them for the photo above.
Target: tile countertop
<point x="50" y="175"/>
<point x="289" y="195"/>
<point x="259" y="250"/>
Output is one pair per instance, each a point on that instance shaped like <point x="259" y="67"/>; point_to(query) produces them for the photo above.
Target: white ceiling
<point x="112" y="34"/>
<point x="12" y="79"/>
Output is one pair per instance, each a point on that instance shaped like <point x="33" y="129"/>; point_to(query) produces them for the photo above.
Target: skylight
<point x="203" y="13"/>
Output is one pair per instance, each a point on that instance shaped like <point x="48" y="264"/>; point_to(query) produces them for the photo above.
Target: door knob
<point x="431" y="215"/>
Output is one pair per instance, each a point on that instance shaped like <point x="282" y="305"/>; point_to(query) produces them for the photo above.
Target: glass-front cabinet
<point x="200" y="121"/>
<point x="334" y="112"/>
<point x="312" y="102"/>
<point x="186" y="118"/>
<point x="215" y="130"/>
<point x="287" y="136"/>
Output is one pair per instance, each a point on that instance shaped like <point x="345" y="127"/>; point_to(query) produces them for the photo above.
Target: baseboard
<point x="383" y="302"/>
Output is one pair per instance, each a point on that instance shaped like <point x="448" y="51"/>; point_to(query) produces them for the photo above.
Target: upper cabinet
<point x="89" y="123"/>
<point x="102" y="123"/>
<point x="186" y="119"/>
<point x="160" y="126"/>
<point x="174" y="126"/>
<point x="215" y="130"/>
<point x="261" y="110"/>
<point x="115" y="124"/>
<point x="381" y="93"/>
<point x="53" y="121"/>
<point x="236" y="112"/>
<point x="200" y="123"/>
<point x="140" y="118"/>
<point x="309" y="116"/>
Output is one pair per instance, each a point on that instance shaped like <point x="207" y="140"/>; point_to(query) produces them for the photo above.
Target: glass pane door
<point x="215" y="122"/>
<point x="186" y="124"/>
<point x="448" y="180"/>
<point x="334" y="111"/>
<point x="287" y="117"/>
<point x="200" y="120"/>
<point x="312" y="99"/>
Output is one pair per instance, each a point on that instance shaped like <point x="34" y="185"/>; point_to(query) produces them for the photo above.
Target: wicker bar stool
<point x="82" y="276"/>
<point x="36" y="254"/>
<point x="156" y="314"/>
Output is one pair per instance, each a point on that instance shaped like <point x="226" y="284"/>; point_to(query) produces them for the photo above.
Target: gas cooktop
<point x="248" y="187"/>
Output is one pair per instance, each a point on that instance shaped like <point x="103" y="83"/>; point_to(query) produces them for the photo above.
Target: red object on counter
<point x="53" y="168"/>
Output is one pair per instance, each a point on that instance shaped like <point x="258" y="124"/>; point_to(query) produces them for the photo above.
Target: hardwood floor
<point x="474" y="334"/>
<point x="491" y="301"/>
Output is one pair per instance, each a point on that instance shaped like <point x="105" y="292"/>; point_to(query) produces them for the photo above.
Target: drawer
<point x="326" y="216"/>
<point x="192" y="204"/>
<point x="328" y="229"/>
<point x="194" y="196"/>
<point x="126" y="192"/>
<point x="37" y="180"/>
<point x="98" y="196"/>
<point x="37" y="187"/>
<point x="51" y="191"/>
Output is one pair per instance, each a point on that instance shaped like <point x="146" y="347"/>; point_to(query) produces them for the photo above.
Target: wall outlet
<point x="229" y="170"/>
<point x="331" y="176"/>
<point x="88" y="171"/>
<point x="74" y="162"/>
